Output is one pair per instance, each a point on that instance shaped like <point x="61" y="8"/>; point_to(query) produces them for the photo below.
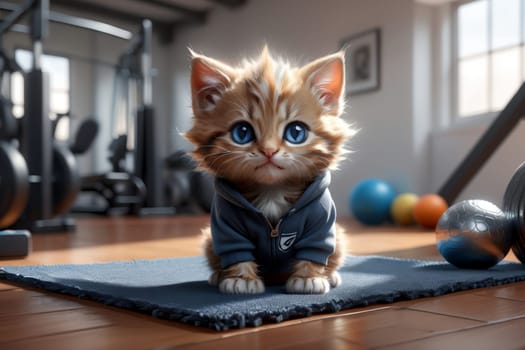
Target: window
<point x="490" y="54"/>
<point x="59" y="87"/>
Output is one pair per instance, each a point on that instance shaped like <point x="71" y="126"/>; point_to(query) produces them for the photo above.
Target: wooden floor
<point x="31" y="319"/>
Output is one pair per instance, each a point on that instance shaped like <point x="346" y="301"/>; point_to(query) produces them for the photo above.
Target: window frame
<point x="69" y="91"/>
<point x="456" y="118"/>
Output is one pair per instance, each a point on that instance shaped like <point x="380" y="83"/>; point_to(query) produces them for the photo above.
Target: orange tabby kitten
<point x="270" y="133"/>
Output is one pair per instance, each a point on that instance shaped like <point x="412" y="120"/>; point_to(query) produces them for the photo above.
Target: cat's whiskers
<point x="220" y="153"/>
<point x="224" y="152"/>
<point x="313" y="160"/>
<point x="219" y="169"/>
<point x="304" y="165"/>
<point x="218" y="156"/>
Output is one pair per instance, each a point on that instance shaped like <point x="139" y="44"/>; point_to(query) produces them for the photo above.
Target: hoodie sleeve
<point x="317" y="242"/>
<point x="229" y="242"/>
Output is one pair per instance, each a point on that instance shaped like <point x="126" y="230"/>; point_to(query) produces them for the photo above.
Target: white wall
<point x="306" y="29"/>
<point x="452" y="145"/>
<point x="422" y="121"/>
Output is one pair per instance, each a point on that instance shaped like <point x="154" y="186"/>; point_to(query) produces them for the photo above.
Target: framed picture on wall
<point x="362" y="62"/>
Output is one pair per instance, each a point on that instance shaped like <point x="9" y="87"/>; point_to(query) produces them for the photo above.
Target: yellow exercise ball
<point x="402" y="207"/>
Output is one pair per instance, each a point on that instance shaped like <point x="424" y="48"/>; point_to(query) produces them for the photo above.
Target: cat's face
<point x="266" y="122"/>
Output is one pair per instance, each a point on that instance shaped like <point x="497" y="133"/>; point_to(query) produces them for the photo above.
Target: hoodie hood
<point x="225" y="189"/>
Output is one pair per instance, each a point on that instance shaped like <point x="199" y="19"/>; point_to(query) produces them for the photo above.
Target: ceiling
<point x="166" y="15"/>
<point x="435" y="2"/>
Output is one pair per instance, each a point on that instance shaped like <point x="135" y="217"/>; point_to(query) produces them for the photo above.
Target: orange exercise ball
<point x="429" y="209"/>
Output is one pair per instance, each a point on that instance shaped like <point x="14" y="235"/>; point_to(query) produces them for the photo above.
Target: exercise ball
<point x="370" y="201"/>
<point x="402" y="208"/>
<point x="473" y="234"/>
<point x="428" y="210"/>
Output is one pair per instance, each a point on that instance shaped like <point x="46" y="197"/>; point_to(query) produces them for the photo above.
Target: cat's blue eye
<point x="296" y="133"/>
<point x="242" y="133"/>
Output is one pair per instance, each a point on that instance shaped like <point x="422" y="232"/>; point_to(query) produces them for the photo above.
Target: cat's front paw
<point x="237" y="285"/>
<point x="307" y="285"/>
<point x="334" y="279"/>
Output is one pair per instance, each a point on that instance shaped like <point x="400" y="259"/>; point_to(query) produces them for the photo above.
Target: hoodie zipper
<point x="274" y="233"/>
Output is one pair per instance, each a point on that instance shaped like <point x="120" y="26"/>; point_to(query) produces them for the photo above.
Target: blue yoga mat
<point x="176" y="289"/>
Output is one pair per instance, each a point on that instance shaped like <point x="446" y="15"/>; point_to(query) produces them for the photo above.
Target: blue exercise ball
<point x="370" y="201"/>
<point x="473" y="234"/>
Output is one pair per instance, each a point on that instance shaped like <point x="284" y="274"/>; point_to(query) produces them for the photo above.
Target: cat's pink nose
<point x="269" y="152"/>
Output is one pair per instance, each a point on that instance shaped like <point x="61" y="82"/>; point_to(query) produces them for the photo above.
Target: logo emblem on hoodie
<point x="286" y="241"/>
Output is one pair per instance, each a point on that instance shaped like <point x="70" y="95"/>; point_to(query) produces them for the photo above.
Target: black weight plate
<point x="511" y="204"/>
<point x="8" y="123"/>
<point x="66" y="179"/>
<point x="519" y="245"/>
<point x="514" y="206"/>
<point x="14" y="184"/>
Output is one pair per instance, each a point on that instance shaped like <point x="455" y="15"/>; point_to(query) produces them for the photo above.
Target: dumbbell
<point x="477" y="234"/>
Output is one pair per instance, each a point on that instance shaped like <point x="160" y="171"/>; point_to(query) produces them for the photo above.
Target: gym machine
<point x="187" y="189"/>
<point x="39" y="181"/>
<point x="136" y="191"/>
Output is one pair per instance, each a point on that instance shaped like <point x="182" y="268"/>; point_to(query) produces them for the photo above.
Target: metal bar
<point x="36" y="145"/>
<point x="147" y="163"/>
<point x="20" y="28"/>
<point x="39" y="30"/>
<point x="485" y="147"/>
<point x="79" y="22"/>
<point x="90" y="24"/>
<point x="39" y="20"/>
<point x="135" y="45"/>
<point x="146" y="64"/>
<point x="15" y="16"/>
<point x="37" y="55"/>
<point x="100" y="9"/>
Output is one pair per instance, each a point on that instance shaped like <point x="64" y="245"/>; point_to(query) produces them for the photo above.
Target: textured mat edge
<point x="252" y="319"/>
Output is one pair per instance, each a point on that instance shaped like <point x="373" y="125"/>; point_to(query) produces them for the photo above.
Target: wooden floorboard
<point x="12" y="327"/>
<point x="19" y="302"/>
<point x="472" y="306"/>
<point x="6" y="286"/>
<point x="117" y="329"/>
<point x="506" y="335"/>
<point x="32" y="319"/>
<point x="514" y="291"/>
<point x="362" y="329"/>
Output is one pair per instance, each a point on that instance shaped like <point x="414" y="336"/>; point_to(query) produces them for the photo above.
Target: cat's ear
<point x="209" y="79"/>
<point x="326" y="79"/>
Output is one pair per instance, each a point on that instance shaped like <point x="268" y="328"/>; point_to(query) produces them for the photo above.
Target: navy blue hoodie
<point x="241" y="232"/>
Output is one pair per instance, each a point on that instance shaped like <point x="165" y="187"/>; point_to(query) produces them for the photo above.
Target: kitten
<point x="270" y="133"/>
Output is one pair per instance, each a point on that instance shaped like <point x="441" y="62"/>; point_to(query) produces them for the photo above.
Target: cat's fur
<point x="270" y="172"/>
